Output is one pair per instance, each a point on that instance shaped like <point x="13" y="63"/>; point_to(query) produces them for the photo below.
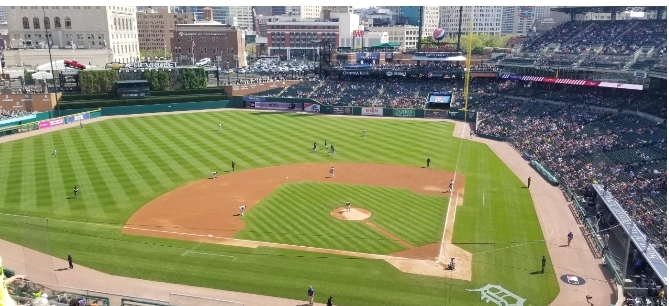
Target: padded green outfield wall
<point x="171" y="107"/>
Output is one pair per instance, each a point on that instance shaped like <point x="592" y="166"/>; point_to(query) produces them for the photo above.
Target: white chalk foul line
<point x="219" y="255"/>
<point x="450" y="196"/>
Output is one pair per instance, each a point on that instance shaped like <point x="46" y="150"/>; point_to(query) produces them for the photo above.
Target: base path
<point x="208" y="210"/>
<point x="556" y="221"/>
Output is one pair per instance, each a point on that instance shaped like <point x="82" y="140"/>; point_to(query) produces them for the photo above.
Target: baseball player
<point x="81" y="123"/>
<point x="332" y="149"/>
<point x="76" y="192"/>
<point x="241" y="209"/>
<point x="450" y="186"/>
<point x="219" y="126"/>
<point x="213" y="174"/>
<point x="233" y="166"/>
<point x="364" y="133"/>
<point x="331" y="171"/>
<point x="326" y="144"/>
<point x="570" y="236"/>
<point x="55" y="153"/>
<point x="348" y="206"/>
<point x="315" y="146"/>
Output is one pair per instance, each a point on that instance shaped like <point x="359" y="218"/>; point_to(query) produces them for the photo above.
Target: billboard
<point x="312" y="108"/>
<point x="372" y="111"/>
<point x="404" y="112"/>
<point x="342" y="110"/>
<point x="51" y="123"/>
<point x="572" y="81"/>
<point x="271" y="105"/>
<point x="79" y="117"/>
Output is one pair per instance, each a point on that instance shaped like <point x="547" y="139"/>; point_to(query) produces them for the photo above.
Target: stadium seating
<point x="643" y="33"/>
<point x="561" y="32"/>
<point x="596" y="33"/>
<point x="268" y="93"/>
<point x="300" y="90"/>
<point x="12" y="113"/>
<point x="582" y="146"/>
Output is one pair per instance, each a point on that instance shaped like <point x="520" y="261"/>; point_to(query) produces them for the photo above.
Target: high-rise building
<point x="89" y="27"/>
<point x="222" y="43"/>
<point x="154" y="26"/>
<point x="485" y="19"/>
<point x="2" y="15"/>
<point x="243" y="15"/>
<point x="339" y="9"/>
<point x="305" y="11"/>
<point x="220" y="13"/>
<point x="295" y="39"/>
<point x="518" y="20"/>
<point x="410" y="15"/>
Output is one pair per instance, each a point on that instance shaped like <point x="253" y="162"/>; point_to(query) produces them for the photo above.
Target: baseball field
<point x="149" y="208"/>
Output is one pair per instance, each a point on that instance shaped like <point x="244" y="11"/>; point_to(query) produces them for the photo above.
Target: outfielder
<point x="213" y="174"/>
<point x="331" y="171"/>
<point x="241" y="209"/>
<point x="219" y="126"/>
<point x="55" y="153"/>
<point x="364" y="133"/>
<point x="81" y="123"/>
<point x="76" y="192"/>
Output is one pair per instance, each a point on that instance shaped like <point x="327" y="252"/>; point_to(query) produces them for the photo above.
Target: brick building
<point x="211" y="39"/>
<point x="295" y="39"/>
<point x="154" y="26"/>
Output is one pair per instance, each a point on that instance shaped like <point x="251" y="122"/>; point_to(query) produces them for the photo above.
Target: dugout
<point x="608" y="217"/>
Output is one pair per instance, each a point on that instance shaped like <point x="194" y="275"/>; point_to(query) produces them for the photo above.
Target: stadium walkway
<point x="85" y="278"/>
<point x="556" y="221"/>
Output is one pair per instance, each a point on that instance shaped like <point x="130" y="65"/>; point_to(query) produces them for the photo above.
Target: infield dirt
<point x="208" y="210"/>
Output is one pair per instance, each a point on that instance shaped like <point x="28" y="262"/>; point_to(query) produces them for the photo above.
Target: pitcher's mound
<point x="354" y="214"/>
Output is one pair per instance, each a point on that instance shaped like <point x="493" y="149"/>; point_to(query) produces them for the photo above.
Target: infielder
<point x="219" y="126"/>
<point x="326" y="144"/>
<point x="213" y="174"/>
<point x="331" y="171"/>
<point x="348" y="206"/>
<point x="315" y="146"/>
<point x="450" y="187"/>
<point x="55" y="153"/>
<point x="241" y="209"/>
<point x="332" y="149"/>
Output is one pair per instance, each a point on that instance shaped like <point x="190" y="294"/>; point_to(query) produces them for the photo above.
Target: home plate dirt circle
<point x="355" y="214"/>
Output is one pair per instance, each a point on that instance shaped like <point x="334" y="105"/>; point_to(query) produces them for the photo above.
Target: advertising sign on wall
<point x="342" y="110"/>
<point x="271" y="105"/>
<point x="51" y="123"/>
<point x="75" y="118"/>
<point x="404" y="112"/>
<point x="372" y="111"/>
<point x="312" y="108"/>
<point x="436" y="114"/>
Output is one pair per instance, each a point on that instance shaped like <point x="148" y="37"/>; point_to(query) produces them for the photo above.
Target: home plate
<point x="209" y="236"/>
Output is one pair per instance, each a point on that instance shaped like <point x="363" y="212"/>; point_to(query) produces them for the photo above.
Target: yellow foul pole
<point x="468" y="62"/>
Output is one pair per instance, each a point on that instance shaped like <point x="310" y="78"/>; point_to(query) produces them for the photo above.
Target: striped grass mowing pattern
<point x="299" y="214"/>
<point x="120" y="164"/>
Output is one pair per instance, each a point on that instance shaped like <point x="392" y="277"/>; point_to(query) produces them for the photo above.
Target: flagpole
<point x="193" y="45"/>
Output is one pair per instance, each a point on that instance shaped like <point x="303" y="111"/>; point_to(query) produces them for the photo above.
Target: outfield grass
<point x="305" y="207"/>
<point x="121" y="164"/>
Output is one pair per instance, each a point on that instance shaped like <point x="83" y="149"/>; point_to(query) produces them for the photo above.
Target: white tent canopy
<point x="57" y="65"/>
<point x="41" y="75"/>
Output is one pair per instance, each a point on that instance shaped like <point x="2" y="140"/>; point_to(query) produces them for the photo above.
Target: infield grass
<point x="304" y="209"/>
<point x="121" y="164"/>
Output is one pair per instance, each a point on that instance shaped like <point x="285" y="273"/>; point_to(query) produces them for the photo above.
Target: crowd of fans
<point x="595" y="33"/>
<point x="644" y="33"/>
<point x="582" y="146"/>
<point x="12" y="113"/>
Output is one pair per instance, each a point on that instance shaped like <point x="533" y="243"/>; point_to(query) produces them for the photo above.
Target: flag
<point x="193" y="46"/>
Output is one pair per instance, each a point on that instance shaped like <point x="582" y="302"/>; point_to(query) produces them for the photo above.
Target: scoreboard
<point x="439" y="100"/>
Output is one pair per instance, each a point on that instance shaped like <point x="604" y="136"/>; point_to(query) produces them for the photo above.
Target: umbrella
<point x="42" y="75"/>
